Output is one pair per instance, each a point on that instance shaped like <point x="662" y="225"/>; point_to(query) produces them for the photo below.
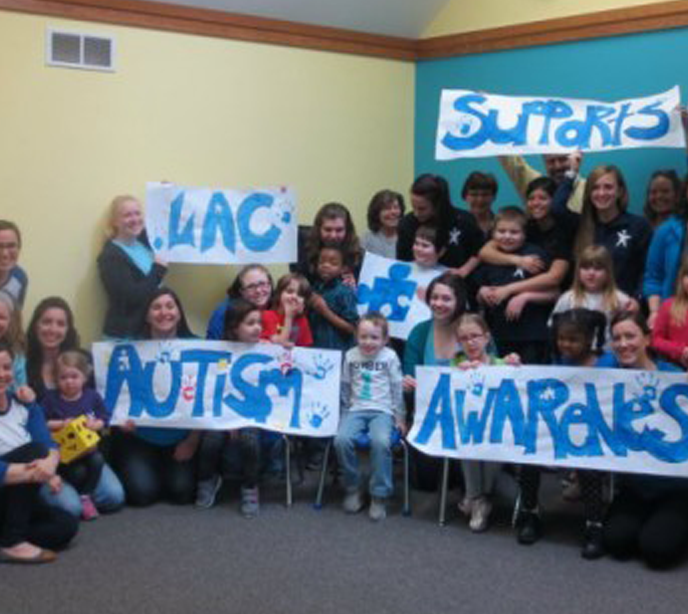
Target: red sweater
<point x="667" y="338"/>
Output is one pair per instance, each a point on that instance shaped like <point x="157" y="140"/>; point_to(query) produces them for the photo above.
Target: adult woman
<point x="13" y="279"/>
<point x="605" y="221"/>
<point x="51" y="331"/>
<point x="649" y="516"/>
<point x="128" y="269"/>
<point x="28" y="460"/>
<point x="434" y="343"/>
<point x="458" y="234"/>
<point x="664" y="258"/>
<point x="254" y="284"/>
<point x="663" y="197"/>
<point x="384" y="212"/>
<point x="332" y="226"/>
<point x="479" y="192"/>
<point x="157" y="463"/>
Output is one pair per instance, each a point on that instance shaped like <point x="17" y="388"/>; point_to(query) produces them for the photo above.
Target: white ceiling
<point x="407" y="18"/>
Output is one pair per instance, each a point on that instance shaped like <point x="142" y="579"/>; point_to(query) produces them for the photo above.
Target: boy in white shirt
<point x="372" y="403"/>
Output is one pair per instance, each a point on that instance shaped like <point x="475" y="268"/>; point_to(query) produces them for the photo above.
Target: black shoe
<point x="592" y="544"/>
<point x="529" y="528"/>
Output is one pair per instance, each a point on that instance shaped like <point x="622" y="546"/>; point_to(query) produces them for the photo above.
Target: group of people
<point x="572" y="279"/>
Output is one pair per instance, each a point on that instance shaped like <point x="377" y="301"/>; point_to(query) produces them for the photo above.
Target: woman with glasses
<point x="253" y="284"/>
<point x="13" y="279"/>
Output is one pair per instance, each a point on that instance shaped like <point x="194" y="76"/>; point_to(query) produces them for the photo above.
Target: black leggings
<point x="23" y="514"/>
<point x="591" y="490"/>
<point x="657" y="531"/>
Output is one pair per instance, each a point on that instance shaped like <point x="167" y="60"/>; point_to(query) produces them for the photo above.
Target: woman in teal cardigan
<point x="433" y="342"/>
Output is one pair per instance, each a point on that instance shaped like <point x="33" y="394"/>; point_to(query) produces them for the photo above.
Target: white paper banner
<point x="608" y="419"/>
<point x="473" y="125"/>
<point x="220" y="385"/>
<point x="397" y="290"/>
<point x="207" y="226"/>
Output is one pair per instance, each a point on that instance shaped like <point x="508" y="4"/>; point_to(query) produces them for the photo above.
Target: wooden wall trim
<point x="615" y="22"/>
<point x="219" y="24"/>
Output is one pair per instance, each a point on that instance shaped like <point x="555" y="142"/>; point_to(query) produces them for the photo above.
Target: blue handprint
<point x="317" y="414"/>
<point x="322" y="365"/>
<point x="477" y="384"/>
<point x="164" y="354"/>
<point x="648" y="383"/>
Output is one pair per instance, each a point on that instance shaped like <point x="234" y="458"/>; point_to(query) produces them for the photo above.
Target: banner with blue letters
<point x="220" y="385"/>
<point x="221" y="226"/>
<point x="476" y="124"/>
<point x="607" y="419"/>
<point x="396" y="290"/>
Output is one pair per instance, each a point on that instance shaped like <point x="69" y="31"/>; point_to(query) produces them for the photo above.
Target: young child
<point x="286" y="322"/>
<point x="594" y="287"/>
<point x="372" y="403"/>
<point x="575" y="335"/>
<point x="426" y="249"/>
<point x="670" y="332"/>
<point x="11" y="332"/>
<point x="242" y="324"/>
<point x="479" y="476"/>
<point x="522" y="331"/>
<point x="28" y="459"/>
<point x="70" y="400"/>
<point x="332" y="315"/>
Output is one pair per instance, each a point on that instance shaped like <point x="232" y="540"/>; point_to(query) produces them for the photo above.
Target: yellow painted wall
<point x="467" y="16"/>
<point x="193" y="110"/>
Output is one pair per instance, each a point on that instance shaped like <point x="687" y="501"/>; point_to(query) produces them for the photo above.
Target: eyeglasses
<point x="259" y="285"/>
<point x="470" y="338"/>
<point x="10" y="247"/>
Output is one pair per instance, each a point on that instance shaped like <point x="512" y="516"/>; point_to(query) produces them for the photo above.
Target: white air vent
<point x="78" y="50"/>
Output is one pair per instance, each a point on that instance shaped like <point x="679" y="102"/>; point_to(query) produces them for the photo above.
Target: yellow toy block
<point x="75" y="440"/>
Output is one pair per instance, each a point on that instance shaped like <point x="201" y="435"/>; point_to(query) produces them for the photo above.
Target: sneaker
<point x="529" y="528"/>
<point x="466" y="506"/>
<point x="207" y="490"/>
<point x="480" y="515"/>
<point x="250" y="505"/>
<point x="353" y="503"/>
<point x="88" y="508"/>
<point x="378" y="509"/>
<point x="592" y="541"/>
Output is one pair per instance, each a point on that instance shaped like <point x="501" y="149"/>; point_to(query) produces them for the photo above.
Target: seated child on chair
<point x="372" y="403"/>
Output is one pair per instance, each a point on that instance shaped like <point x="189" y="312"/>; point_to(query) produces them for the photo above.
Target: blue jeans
<point x="379" y="427"/>
<point x="108" y="495"/>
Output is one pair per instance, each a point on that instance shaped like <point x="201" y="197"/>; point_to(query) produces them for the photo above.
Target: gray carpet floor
<point x="171" y="560"/>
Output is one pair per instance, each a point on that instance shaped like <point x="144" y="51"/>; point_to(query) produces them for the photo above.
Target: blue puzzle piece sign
<point x="390" y="295"/>
<point x="396" y="290"/>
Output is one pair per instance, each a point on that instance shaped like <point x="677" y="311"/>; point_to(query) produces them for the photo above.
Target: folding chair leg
<point x="517" y="510"/>
<point x="287" y="461"/>
<point x="407" y="500"/>
<point x="443" y="491"/>
<point x="323" y="476"/>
